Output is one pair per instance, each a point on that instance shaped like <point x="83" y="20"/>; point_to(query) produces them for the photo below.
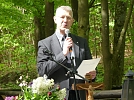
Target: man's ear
<point x="54" y="19"/>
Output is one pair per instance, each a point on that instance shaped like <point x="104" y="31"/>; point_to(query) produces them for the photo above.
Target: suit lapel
<point x="55" y="45"/>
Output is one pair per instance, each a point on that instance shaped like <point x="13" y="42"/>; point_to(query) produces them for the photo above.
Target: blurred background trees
<point x="107" y="24"/>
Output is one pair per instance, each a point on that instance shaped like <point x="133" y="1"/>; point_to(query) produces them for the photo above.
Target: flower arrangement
<point x="41" y="88"/>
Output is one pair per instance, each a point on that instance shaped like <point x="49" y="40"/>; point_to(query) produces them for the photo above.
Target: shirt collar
<point x="59" y="36"/>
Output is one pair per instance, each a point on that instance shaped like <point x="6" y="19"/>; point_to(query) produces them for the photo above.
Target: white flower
<point x="61" y="94"/>
<point x="20" y="78"/>
<point x="24" y="83"/>
<point x="20" y="84"/>
<point x="42" y="85"/>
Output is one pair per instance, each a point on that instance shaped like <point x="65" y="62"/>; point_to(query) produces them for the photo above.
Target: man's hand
<point x="67" y="44"/>
<point x="92" y="73"/>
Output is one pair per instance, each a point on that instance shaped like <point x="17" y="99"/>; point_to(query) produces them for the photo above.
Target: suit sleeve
<point x="88" y="54"/>
<point x="44" y="63"/>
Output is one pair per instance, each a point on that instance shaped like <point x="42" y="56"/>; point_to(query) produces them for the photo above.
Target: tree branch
<point x="123" y="32"/>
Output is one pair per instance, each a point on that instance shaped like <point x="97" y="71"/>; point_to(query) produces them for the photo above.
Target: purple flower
<point x="30" y="83"/>
<point x="10" y="98"/>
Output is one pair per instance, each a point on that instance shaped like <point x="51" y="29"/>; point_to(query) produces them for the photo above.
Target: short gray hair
<point x="66" y="8"/>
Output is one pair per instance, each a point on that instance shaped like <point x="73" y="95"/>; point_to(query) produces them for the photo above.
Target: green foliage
<point x="17" y="49"/>
<point x="51" y="0"/>
<point x="100" y="73"/>
<point x="16" y="30"/>
<point x="74" y="28"/>
<point x="129" y="63"/>
<point x="35" y="7"/>
<point x="94" y="33"/>
<point x="9" y="76"/>
<point x="13" y="18"/>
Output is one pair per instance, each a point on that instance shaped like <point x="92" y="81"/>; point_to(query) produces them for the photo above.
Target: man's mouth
<point x="65" y="25"/>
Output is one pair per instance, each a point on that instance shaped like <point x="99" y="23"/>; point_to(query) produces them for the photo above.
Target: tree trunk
<point x="118" y="52"/>
<point x="49" y="13"/>
<point x="105" y="44"/>
<point x="118" y="59"/>
<point x="132" y="34"/>
<point x="83" y="19"/>
<point x="74" y="4"/>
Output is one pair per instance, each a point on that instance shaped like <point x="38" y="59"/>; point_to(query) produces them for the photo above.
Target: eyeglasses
<point x="67" y="17"/>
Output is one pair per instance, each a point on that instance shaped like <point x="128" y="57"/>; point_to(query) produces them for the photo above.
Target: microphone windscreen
<point x="67" y="31"/>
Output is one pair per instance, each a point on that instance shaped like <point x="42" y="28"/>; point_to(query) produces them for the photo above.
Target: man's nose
<point x="65" y="18"/>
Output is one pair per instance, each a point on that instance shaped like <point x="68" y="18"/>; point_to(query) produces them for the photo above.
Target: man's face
<point x="63" y="19"/>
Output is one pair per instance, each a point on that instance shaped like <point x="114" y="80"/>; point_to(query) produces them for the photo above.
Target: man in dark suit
<point x="65" y="48"/>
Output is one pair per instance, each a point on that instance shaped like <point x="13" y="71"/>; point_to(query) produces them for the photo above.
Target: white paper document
<point x="86" y="66"/>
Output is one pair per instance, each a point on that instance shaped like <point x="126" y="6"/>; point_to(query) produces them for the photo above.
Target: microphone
<point x="67" y="32"/>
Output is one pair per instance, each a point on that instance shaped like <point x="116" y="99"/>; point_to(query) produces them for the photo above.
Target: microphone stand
<point x="72" y="66"/>
<point x="73" y="72"/>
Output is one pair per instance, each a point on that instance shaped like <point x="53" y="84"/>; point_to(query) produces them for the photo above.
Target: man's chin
<point x="63" y="29"/>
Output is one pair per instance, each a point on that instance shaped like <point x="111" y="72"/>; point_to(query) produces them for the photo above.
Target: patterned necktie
<point x="62" y="41"/>
<point x="62" y="44"/>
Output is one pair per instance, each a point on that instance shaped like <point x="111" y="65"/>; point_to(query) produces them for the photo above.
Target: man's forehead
<point x="62" y="12"/>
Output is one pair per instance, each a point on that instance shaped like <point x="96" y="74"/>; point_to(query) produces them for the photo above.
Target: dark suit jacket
<point x="52" y="69"/>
